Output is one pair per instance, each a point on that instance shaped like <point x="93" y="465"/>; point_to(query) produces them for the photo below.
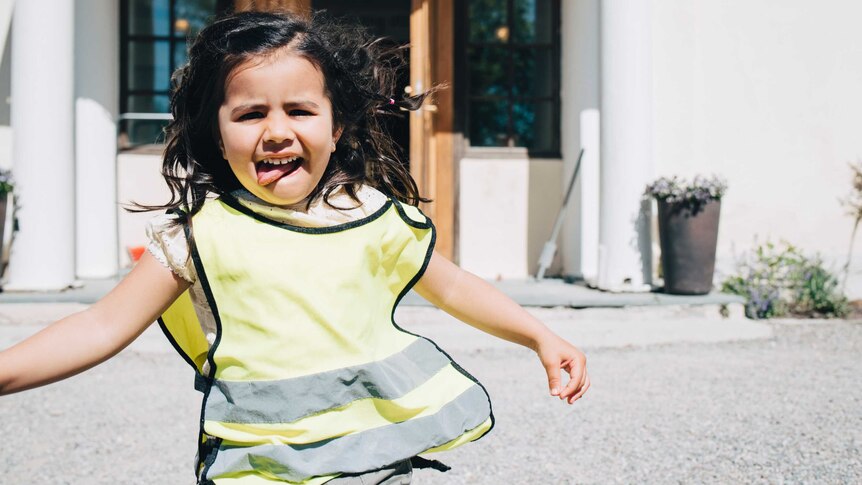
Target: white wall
<point x="139" y="180"/>
<point x="506" y="211"/>
<point x="767" y="94"/>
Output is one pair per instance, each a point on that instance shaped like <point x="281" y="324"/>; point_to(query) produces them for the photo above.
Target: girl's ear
<point x="221" y="148"/>
<point x="336" y="136"/>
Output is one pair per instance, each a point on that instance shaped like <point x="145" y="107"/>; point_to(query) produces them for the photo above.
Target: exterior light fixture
<point x="502" y="33"/>
<point x="181" y="25"/>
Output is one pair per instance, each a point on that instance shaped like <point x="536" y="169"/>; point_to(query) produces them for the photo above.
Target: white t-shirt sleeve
<point x="169" y="246"/>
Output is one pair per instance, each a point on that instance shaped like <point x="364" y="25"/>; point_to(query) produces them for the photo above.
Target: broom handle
<point x="559" y="223"/>
<point x="550" y="247"/>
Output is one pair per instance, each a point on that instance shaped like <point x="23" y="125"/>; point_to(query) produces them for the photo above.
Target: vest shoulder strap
<point x="412" y="215"/>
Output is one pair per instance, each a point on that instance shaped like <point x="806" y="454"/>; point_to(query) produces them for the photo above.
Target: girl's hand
<point x="555" y="354"/>
<point x="477" y="303"/>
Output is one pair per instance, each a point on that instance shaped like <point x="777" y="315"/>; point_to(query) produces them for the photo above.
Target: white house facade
<point x="764" y="93"/>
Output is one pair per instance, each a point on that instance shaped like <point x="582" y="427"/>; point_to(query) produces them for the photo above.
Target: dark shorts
<point x="398" y="473"/>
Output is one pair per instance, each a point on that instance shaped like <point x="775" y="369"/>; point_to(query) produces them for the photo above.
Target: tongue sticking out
<point x="268" y="173"/>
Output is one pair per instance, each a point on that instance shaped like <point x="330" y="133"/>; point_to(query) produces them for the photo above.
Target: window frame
<point x="126" y="40"/>
<point x="464" y="98"/>
<point x="173" y="39"/>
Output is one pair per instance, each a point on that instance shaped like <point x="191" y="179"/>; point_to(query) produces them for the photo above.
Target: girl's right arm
<point x="87" y="338"/>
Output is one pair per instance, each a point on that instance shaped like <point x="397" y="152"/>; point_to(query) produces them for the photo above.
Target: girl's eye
<point x="300" y="112"/>
<point x="251" y="116"/>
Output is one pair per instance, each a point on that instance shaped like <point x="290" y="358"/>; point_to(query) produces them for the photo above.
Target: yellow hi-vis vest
<point x="309" y="376"/>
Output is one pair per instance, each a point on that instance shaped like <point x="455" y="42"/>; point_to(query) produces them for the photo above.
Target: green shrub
<point x="7" y="183"/>
<point x="779" y="280"/>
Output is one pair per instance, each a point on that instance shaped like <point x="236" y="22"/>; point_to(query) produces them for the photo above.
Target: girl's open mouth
<point x="270" y="170"/>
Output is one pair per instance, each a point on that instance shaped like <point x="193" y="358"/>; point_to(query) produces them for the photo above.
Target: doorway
<point x="426" y="137"/>
<point x="389" y="19"/>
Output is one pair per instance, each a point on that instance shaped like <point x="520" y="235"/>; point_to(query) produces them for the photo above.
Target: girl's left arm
<point x="476" y="302"/>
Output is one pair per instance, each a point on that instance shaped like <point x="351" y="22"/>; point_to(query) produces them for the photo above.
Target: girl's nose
<point x="278" y="130"/>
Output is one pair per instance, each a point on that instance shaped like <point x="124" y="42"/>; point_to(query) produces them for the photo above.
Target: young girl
<point x="291" y="236"/>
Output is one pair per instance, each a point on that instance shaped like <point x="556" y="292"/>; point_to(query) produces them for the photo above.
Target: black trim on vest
<point x="236" y="205"/>
<point x="209" y="379"/>
<point x="176" y="345"/>
<point x="210" y="448"/>
<point x="418" y="225"/>
<point x="412" y="283"/>
<point x="198" y="377"/>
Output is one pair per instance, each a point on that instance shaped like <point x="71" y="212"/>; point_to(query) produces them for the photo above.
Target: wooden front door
<point x="431" y="128"/>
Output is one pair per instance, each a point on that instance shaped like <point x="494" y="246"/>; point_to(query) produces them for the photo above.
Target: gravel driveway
<point x="782" y="408"/>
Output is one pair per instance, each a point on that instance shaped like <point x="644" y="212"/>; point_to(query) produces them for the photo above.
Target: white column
<point x="626" y="146"/>
<point x="43" y="254"/>
<point x="96" y="91"/>
<point x="580" y="95"/>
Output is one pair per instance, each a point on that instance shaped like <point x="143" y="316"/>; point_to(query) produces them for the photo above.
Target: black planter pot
<point x="688" y="241"/>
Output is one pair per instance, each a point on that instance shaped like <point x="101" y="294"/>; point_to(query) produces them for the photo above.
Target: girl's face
<point x="276" y="127"/>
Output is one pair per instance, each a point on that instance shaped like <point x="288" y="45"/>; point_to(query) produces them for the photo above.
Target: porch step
<point x="547" y="293"/>
<point x="558" y="293"/>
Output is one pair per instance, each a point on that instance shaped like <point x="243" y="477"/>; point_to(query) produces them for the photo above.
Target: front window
<point x="154" y="36"/>
<point x="512" y="70"/>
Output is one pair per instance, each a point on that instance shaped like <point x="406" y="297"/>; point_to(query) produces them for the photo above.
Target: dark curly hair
<point x="359" y="75"/>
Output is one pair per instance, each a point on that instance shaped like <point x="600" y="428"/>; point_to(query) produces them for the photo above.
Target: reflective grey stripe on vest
<point x="368" y="450"/>
<point x="287" y="400"/>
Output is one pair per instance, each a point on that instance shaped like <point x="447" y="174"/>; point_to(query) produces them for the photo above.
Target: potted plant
<point x="688" y="216"/>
